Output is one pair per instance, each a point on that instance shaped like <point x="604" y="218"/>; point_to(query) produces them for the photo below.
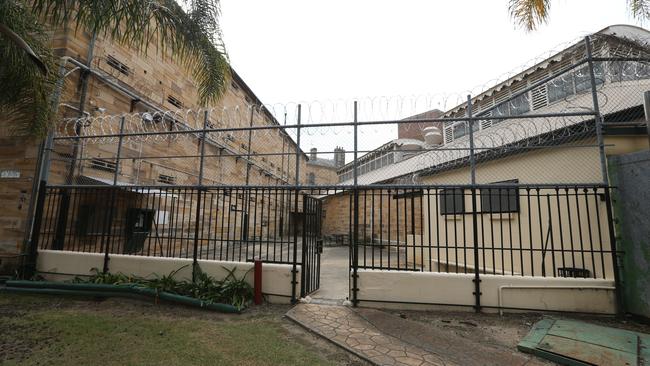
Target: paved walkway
<point x="334" y="274"/>
<point x="385" y="339"/>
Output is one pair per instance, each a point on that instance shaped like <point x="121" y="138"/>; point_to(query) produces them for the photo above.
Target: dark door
<point x="138" y="227"/>
<point x="312" y="245"/>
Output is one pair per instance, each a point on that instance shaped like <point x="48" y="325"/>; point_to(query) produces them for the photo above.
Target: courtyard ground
<point x="40" y="330"/>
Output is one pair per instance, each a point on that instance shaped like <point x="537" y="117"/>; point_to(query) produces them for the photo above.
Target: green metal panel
<point x="572" y="343"/>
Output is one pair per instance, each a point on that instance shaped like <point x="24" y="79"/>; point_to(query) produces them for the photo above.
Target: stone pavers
<point x="346" y="328"/>
<point x="385" y="339"/>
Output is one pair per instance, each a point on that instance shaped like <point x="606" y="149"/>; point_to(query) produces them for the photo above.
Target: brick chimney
<point x="339" y="157"/>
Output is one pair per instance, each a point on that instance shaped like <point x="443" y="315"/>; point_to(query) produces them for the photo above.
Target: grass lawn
<point x="39" y="330"/>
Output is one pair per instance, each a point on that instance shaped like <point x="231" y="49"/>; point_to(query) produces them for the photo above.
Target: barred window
<point x="452" y="201"/>
<point x="500" y="200"/>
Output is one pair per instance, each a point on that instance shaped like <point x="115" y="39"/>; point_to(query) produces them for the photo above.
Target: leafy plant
<point x="230" y="290"/>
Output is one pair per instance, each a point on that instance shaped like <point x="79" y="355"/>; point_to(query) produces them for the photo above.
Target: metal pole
<point x="472" y="158"/>
<point x="355" y="212"/>
<point x="199" y="193"/>
<point x="646" y="107"/>
<point x="295" y="210"/>
<point x="248" y="153"/>
<point x="472" y="163"/>
<point x="203" y="139"/>
<point x="603" y="167"/>
<point x="195" y="261"/>
<point x="597" y="117"/>
<point x="119" y="151"/>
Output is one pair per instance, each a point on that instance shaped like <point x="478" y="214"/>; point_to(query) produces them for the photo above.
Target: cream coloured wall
<point x="420" y="290"/>
<point x="512" y="243"/>
<point x="64" y="265"/>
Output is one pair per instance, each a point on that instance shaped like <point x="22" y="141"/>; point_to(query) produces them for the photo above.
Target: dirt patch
<point x="509" y="329"/>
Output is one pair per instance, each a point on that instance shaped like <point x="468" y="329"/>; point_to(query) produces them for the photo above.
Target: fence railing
<point x="505" y="229"/>
<point x="213" y="223"/>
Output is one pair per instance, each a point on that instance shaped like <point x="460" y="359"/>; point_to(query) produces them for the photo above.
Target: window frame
<point x="443" y="195"/>
<point x="492" y="197"/>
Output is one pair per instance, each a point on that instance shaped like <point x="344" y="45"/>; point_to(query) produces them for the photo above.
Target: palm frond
<point x="640" y="9"/>
<point x="529" y="14"/>
<point x="189" y="30"/>
<point x="26" y="89"/>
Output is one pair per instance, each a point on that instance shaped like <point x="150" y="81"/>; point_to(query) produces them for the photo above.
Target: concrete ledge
<point x="57" y="265"/>
<point x="421" y="290"/>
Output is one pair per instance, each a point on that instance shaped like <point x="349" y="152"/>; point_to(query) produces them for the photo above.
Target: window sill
<point x="502" y="216"/>
<point x="457" y="217"/>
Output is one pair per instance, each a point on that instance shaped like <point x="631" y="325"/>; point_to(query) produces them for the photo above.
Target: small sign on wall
<point x="10" y="174"/>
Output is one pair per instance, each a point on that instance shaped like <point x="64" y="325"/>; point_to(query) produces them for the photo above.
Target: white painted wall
<point x="64" y="265"/>
<point x="387" y="288"/>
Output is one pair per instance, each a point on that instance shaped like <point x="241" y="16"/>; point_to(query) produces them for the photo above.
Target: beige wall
<point x="62" y="265"/>
<point x="512" y="243"/>
<point x="544" y="294"/>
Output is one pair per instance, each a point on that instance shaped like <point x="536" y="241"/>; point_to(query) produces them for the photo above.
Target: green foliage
<point x="189" y="29"/>
<point x="27" y="81"/>
<point x="529" y="14"/>
<point x="230" y="290"/>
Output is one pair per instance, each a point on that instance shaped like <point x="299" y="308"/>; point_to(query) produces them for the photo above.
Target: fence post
<point x="294" y="270"/>
<point x="472" y="163"/>
<point x="108" y="228"/>
<point x="303" y="273"/>
<point x="119" y="151"/>
<point x="29" y="268"/>
<point x="646" y="108"/>
<point x="598" y="120"/>
<point x="199" y="194"/>
<point x="355" y="212"/>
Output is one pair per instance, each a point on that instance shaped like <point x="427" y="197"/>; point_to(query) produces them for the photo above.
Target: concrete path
<point x="334" y="274"/>
<point x="385" y="339"/>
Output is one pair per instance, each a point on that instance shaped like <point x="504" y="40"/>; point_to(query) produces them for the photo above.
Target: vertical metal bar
<point x="295" y="208"/>
<point x="568" y="209"/>
<point x="30" y="268"/>
<point x="197" y="219"/>
<point x="597" y="117"/>
<point x="612" y="241"/>
<point x="582" y="243"/>
<point x="600" y="233"/>
<point x="204" y="136"/>
<point x="472" y="162"/>
<point x="248" y="150"/>
<point x="591" y="239"/>
<point x="108" y="229"/>
<point x="119" y="151"/>
<point x="646" y="108"/>
<point x="304" y="277"/>
<point x="355" y="228"/>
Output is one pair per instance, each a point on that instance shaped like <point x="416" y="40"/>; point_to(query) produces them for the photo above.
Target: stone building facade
<point x="144" y="88"/>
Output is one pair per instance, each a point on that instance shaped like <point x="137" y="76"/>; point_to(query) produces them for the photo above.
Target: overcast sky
<point x="305" y="50"/>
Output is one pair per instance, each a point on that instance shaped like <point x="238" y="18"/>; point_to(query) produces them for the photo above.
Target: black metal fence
<point x="172" y="184"/>
<point x="517" y="230"/>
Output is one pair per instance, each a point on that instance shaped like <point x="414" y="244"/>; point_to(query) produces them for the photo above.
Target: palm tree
<point x="25" y="71"/>
<point x="189" y="29"/>
<point x="529" y="14"/>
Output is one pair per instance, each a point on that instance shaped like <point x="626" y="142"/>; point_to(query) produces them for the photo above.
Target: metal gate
<point x="312" y="245"/>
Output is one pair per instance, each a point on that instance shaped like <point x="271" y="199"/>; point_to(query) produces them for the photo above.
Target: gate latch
<point x="319" y="246"/>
